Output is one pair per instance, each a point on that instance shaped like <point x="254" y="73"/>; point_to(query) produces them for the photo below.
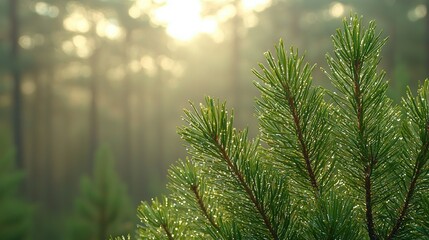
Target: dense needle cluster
<point x="346" y="164"/>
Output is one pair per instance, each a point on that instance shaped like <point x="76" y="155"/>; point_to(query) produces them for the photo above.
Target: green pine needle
<point x="352" y="166"/>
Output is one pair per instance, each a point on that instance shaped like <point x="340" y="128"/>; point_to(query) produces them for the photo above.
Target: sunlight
<point x="82" y="46"/>
<point x="182" y="21"/>
<point x="45" y="9"/>
<point x="148" y="65"/>
<point x="29" y="42"/>
<point x="139" y="8"/>
<point x="81" y="20"/>
<point x="336" y="10"/>
<point x="109" y="28"/>
<point x="255" y="5"/>
<point x="417" y="13"/>
<point x="26" y="42"/>
<point x="76" y="22"/>
<point x="78" y="45"/>
<point x="226" y="12"/>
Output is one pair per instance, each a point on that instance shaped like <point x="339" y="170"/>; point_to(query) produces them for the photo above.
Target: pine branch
<point x="294" y="116"/>
<point x="167" y="231"/>
<point x="299" y="133"/>
<point x="203" y="207"/>
<point x="214" y="129"/>
<point x="406" y="204"/>
<point x="159" y="221"/>
<point x="360" y="125"/>
<point x="353" y="73"/>
<point x="258" y="205"/>
<point x="185" y="176"/>
<point x="418" y="111"/>
<point x="368" y="204"/>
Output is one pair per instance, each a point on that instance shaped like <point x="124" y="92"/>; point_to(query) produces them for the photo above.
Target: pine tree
<point x="342" y="164"/>
<point x="102" y="209"/>
<point x="15" y="213"/>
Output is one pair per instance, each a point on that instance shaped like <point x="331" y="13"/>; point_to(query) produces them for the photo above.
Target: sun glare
<point x="336" y="10"/>
<point x="255" y="5"/>
<point x="182" y="18"/>
<point x="109" y="28"/>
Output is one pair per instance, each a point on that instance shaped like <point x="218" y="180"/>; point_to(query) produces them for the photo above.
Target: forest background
<point x="79" y="75"/>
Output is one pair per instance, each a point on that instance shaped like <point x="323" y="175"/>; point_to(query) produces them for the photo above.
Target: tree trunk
<point x="34" y="167"/>
<point x="141" y="142"/>
<point x="16" y="77"/>
<point x="235" y="64"/>
<point x="50" y="197"/>
<point x="93" y="111"/>
<point x="235" y="56"/>
<point x="160" y="121"/>
<point x="127" y="123"/>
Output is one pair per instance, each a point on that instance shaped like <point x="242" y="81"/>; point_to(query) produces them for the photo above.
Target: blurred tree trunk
<point x="48" y="135"/>
<point x="235" y="66"/>
<point x="93" y="108"/>
<point x="16" y="78"/>
<point x="33" y="187"/>
<point x="159" y="120"/>
<point x="235" y="55"/>
<point x="141" y="151"/>
<point x="126" y="108"/>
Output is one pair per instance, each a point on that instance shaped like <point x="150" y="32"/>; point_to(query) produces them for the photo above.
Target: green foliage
<point x="102" y="209"/>
<point x="351" y="166"/>
<point x="15" y="217"/>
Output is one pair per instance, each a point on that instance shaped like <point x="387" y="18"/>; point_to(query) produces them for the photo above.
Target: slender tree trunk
<point x="16" y="77"/>
<point x="160" y="121"/>
<point x="33" y="186"/>
<point x="235" y="56"/>
<point x="67" y="164"/>
<point x="127" y="123"/>
<point x="141" y="150"/>
<point x="93" y="111"/>
<point x="50" y="196"/>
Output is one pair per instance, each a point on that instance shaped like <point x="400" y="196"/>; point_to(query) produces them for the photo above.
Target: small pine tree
<point x="15" y="213"/>
<point x="102" y="209"/>
<point x="347" y="164"/>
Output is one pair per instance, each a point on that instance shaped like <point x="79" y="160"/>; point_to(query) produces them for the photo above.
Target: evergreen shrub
<point x="102" y="208"/>
<point x="15" y="213"/>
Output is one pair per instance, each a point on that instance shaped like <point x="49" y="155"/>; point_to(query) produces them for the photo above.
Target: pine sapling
<point x="341" y="164"/>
